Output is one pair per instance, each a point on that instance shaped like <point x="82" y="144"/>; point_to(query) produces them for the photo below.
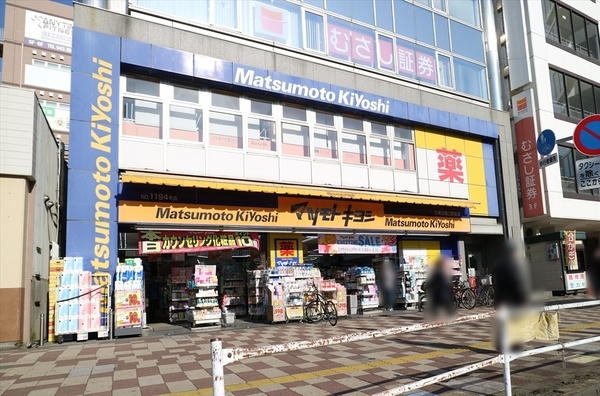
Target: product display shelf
<point x="256" y="294"/>
<point x="361" y="282"/>
<point x="204" y="304"/>
<point x="410" y="279"/>
<point x="294" y="290"/>
<point x="180" y="295"/>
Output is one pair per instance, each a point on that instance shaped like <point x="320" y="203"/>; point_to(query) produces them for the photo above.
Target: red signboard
<point x="571" y="250"/>
<point x="529" y="171"/>
<point x="152" y="242"/>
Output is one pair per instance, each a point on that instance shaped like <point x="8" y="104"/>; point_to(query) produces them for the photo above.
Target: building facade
<point x="36" y="48"/>
<point x="551" y="59"/>
<point x="30" y="212"/>
<point x="286" y="118"/>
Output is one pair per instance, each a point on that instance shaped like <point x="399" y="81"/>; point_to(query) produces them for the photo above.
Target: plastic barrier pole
<point x="504" y="343"/>
<point x="42" y="329"/>
<point x="218" y="377"/>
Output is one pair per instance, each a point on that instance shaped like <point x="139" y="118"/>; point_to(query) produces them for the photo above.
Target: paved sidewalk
<point x="180" y="363"/>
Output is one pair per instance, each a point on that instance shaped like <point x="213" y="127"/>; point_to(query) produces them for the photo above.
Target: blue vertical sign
<point x="93" y="161"/>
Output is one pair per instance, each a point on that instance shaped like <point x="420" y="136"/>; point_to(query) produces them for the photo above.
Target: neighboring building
<point x="31" y="169"/>
<point x="36" y="48"/>
<point x="551" y="61"/>
<point x="286" y="119"/>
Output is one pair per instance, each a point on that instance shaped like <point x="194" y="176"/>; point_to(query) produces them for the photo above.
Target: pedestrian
<point x="439" y="289"/>
<point x="389" y="284"/>
<point x="593" y="271"/>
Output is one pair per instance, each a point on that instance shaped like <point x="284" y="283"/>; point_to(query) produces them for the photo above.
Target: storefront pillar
<point x="462" y="253"/>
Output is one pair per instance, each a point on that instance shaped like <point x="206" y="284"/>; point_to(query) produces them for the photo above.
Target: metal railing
<point x="221" y="357"/>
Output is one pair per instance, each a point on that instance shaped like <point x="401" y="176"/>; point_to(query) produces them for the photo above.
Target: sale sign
<point x="128" y="317"/>
<point x="152" y="242"/>
<point x="128" y="299"/>
<point x="357" y="244"/>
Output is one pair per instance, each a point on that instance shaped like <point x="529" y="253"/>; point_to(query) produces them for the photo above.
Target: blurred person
<point x="439" y="289"/>
<point x="389" y="284"/>
<point x="594" y="275"/>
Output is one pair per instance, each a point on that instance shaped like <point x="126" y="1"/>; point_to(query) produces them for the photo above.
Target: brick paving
<point x="180" y="364"/>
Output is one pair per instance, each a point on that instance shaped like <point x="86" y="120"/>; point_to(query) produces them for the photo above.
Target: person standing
<point x="389" y="284"/>
<point x="439" y="289"/>
<point x="594" y="275"/>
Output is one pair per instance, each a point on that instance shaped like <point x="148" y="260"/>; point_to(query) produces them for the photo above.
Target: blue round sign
<point x="546" y="142"/>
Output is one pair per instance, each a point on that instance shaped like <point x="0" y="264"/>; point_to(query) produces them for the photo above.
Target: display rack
<point x="179" y="293"/>
<point x="256" y="293"/>
<point x="204" y="304"/>
<point x="294" y="298"/>
<point x="129" y="297"/>
<point x="234" y="288"/>
<point x="361" y="282"/>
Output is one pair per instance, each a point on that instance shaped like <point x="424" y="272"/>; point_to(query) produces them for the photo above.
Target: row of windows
<point x="571" y="29"/>
<point x="224" y="119"/>
<point x="573" y="97"/>
<point x="568" y="156"/>
<point x="458" y="63"/>
<point x="52" y="65"/>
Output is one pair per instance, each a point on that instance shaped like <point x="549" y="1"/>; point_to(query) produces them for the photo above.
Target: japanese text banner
<point x="151" y="242"/>
<point x="357" y="244"/>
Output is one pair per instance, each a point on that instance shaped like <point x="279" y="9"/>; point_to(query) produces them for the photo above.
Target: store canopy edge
<point x="271" y="188"/>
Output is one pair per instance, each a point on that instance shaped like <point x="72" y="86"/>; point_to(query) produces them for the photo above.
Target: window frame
<point x="591" y="195"/>
<point x="595" y="88"/>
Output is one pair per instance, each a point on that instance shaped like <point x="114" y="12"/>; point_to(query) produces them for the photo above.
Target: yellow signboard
<point x="298" y="213"/>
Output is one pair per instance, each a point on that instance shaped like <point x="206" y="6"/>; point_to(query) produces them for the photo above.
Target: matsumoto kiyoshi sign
<point x="291" y="212"/>
<point x="250" y="78"/>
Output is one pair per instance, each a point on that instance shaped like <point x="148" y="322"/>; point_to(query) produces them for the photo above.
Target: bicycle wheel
<point x="468" y="299"/>
<point x="331" y="313"/>
<point x="313" y="312"/>
<point x="489" y="294"/>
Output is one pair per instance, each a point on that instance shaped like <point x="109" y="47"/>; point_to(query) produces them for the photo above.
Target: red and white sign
<point x="386" y="53"/>
<point x="571" y="250"/>
<point x="354" y="45"/>
<point x="450" y="166"/>
<point x="425" y="66"/>
<point x="406" y="60"/>
<point x="152" y="242"/>
<point x="272" y="22"/>
<point x="529" y="171"/>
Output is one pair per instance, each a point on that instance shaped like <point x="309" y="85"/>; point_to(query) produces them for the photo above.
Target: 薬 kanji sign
<point x="450" y="165"/>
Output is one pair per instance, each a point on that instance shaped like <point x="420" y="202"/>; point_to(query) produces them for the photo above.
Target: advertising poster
<point x="357" y="244"/>
<point x="286" y="252"/>
<point x="49" y="32"/>
<point x="571" y="250"/>
<point x="152" y="242"/>
<point x="576" y="281"/>
<point x="128" y="317"/>
<point x="128" y="299"/>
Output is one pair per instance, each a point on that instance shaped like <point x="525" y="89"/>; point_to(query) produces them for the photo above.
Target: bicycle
<point x="483" y="294"/>
<point x="319" y="308"/>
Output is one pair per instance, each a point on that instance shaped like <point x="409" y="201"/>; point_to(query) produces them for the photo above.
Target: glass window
<point x="324" y="118"/>
<point x="444" y="71"/>
<point x="383" y="10"/>
<point x="550" y="20"/>
<point x="386" y="52"/>
<point x="185" y="123"/>
<point x="192" y="10"/>
<point x="226" y="101"/>
<point x="353" y="123"/>
<point x="360" y="10"/>
<point x="424" y="20"/>
<point x="404" y="157"/>
<point x="442" y="35"/>
<point x="404" y="13"/>
<point x="144" y="87"/>
<point x="315" y="36"/>
<point x="351" y="42"/>
<point x="426" y="3"/>
<point x="261" y="134"/>
<point x="142" y="118"/>
<point x="293" y="112"/>
<point x="567" y="169"/>
<point x="261" y="107"/>
<point x="225" y="12"/>
<point x="564" y="24"/>
<point x="278" y="21"/>
<point x="425" y="68"/>
<point x="470" y="78"/>
<point x="593" y="42"/>
<point x="587" y="97"/>
<point x="379" y="150"/>
<point x="354" y="149"/>
<point x="573" y="97"/>
<point x="439" y="5"/>
<point x="51" y="65"/>
<point x="326" y="143"/>
<point x="467" y="41"/>
<point x="316" y="3"/>
<point x="581" y="43"/>
<point x="378" y="129"/>
<point x="559" y="99"/>
<point x="401" y="132"/>
<point x="40" y="63"/>
<point x="295" y="140"/>
<point x="225" y="130"/>
<point x="597" y="97"/>
<point x="186" y="94"/>
<point x="465" y="10"/>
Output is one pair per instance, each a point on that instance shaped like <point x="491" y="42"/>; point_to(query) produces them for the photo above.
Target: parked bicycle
<point x="319" y="308"/>
<point x="483" y="294"/>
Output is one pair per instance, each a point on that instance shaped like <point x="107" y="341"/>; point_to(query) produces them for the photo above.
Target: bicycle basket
<point x="486" y="280"/>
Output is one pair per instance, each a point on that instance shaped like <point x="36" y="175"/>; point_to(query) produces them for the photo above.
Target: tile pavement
<point x="180" y="364"/>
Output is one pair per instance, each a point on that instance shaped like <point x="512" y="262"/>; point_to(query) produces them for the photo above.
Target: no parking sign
<point x="587" y="136"/>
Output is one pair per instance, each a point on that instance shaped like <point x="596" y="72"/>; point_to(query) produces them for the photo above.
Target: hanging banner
<point x="571" y="250"/>
<point x="151" y="242"/>
<point x="357" y="244"/>
<point x="286" y="252"/>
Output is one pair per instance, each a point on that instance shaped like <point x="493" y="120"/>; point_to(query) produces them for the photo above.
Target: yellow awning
<point x="285" y="189"/>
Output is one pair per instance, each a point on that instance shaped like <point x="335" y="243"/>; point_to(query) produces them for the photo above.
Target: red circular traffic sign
<point x="587" y="136"/>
